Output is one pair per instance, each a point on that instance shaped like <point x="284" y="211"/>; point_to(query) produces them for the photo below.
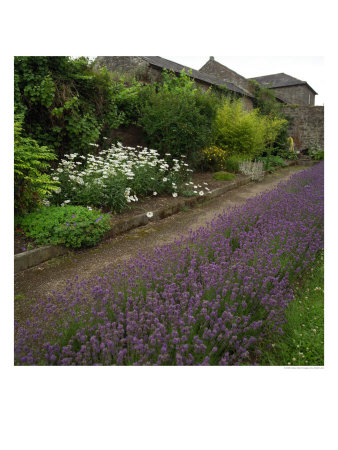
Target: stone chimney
<point x="211" y="58"/>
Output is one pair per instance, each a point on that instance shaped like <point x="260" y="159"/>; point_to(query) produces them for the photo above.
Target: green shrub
<point x="66" y="104"/>
<point x="31" y="184"/>
<point x="72" y="226"/>
<point x="244" y="132"/>
<point x="232" y="162"/>
<point x="267" y="104"/>
<point x="129" y="98"/>
<point x="223" y="176"/>
<point x="272" y="161"/>
<point x="316" y="153"/>
<point x="265" y="99"/>
<point x="177" y="117"/>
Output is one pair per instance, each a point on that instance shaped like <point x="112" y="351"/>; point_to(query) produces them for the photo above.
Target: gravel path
<point x="40" y="281"/>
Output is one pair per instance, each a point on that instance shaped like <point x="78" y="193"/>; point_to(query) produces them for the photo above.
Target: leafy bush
<point x="232" y="162"/>
<point x="72" y="226"/>
<point x="66" y="104"/>
<point x="245" y="133"/>
<point x="316" y="153"/>
<point x="267" y="104"/>
<point x="31" y="184"/>
<point x="118" y="176"/>
<point x="285" y="152"/>
<point x="223" y="176"/>
<point x="129" y="98"/>
<point x="265" y="100"/>
<point x="215" y="158"/>
<point x="177" y="117"/>
<point x="272" y="161"/>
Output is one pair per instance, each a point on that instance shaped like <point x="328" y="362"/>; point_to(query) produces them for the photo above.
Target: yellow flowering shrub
<point x="215" y="157"/>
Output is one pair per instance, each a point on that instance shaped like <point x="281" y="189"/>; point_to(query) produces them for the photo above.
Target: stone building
<point x="289" y="89"/>
<point x="150" y="69"/>
<point x="298" y="97"/>
<point x="222" y="72"/>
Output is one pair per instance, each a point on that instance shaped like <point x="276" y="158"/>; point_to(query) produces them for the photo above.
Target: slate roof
<point x="280" y="80"/>
<point x="196" y="74"/>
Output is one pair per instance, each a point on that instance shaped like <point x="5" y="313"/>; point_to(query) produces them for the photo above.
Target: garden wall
<point x="307" y="129"/>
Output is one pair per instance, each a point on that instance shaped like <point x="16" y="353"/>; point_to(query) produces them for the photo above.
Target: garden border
<point x="31" y="258"/>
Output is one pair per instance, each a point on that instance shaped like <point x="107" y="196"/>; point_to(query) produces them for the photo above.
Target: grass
<point x="303" y="341"/>
<point x="223" y="176"/>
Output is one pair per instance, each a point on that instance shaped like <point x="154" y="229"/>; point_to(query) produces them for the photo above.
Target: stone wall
<point x="133" y="65"/>
<point x="296" y="95"/>
<point x="307" y="129"/>
<point x="247" y="103"/>
<point x="129" y="136"/>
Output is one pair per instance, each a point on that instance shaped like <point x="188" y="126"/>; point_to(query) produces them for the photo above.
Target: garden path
<point x="40" y="281"/>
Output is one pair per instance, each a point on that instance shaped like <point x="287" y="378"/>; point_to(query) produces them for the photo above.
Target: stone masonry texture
<point x="213" y="67"/>
<point x="307" y="127"/>
<point x="296" y="95"/>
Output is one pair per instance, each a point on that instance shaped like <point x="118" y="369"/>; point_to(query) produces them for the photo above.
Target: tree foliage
<point x="177" y="116"/>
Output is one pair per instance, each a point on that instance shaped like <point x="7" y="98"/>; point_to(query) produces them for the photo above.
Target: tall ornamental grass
<point x="211" y="298"/>
<point x="244" y="132"/>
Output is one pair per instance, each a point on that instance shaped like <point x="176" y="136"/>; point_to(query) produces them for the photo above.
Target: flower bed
<point x="209" y="299"/>
<point x="118" y="176"/>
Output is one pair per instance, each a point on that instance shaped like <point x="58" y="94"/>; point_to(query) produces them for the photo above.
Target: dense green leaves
<point x="31" y="183"/>
<point x="243" y="132"/>
<point x="72" y="226"/>
<point x="66" y="104"/>
<point x="177" y="116"/>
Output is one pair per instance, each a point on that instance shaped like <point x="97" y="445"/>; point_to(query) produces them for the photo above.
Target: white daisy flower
<point x="174" y="194"/>
<point x="154" y="193"/>
<point x="149" y="214"/>
<point x="201" y="193"/>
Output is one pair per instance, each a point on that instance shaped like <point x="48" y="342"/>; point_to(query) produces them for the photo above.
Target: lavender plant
<point x="211" y="298"/>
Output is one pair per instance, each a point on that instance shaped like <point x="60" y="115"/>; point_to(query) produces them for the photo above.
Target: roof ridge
<point x="208" y="78"/>
<point x="223" y="65"/>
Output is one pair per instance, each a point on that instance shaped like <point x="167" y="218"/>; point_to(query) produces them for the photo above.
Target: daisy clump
<point x="116" y="177"/>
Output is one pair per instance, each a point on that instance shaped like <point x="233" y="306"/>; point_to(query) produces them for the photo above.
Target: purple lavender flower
<point x="210" y="298"/>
